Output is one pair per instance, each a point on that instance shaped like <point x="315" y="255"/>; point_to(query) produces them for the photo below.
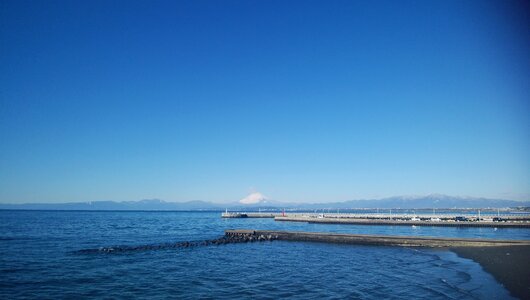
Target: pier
<point x="404" y="222"/>
<point x="450" y="220"/>
<point x="249" y="215"/>
<point x="378" y="240"/>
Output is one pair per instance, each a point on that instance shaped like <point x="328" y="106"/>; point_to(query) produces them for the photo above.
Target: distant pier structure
<point x="248" y="215"/>
<point x="452" y="220"/>
<point x="229" y="214"/>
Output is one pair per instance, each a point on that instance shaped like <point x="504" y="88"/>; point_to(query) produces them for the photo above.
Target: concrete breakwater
<point x="380" y="216"/>
<point x="359" y="221"/>
<point x="249" y="215"/>
<point x="381" y="240"/>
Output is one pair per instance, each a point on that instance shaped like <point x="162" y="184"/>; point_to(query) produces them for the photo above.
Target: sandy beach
<point x="510" y="265"/>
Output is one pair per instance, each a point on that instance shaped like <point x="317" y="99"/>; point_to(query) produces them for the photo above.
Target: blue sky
<point x="306" y="101"/>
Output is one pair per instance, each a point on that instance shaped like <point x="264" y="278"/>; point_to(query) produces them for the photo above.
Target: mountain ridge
<point x="405" y="202"/>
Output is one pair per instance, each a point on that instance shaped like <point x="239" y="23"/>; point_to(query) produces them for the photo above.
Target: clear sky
<point x="309" y="101"/>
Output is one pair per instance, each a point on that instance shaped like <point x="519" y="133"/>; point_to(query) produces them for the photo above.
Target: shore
<point x="510" y="265"/>
<point x="508" y="261"/>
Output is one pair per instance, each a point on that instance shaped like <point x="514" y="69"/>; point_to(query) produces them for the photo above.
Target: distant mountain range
<point x="147" y="204"/>
<point x="430" y="201"/>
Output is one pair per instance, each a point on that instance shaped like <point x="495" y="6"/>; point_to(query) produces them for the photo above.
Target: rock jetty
<point x="242" y="236"/>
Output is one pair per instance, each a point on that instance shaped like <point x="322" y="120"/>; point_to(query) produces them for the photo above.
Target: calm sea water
<point x="38" y="260"/>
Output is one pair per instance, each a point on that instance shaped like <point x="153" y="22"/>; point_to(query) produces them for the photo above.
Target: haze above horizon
<point x="299" y="100"/>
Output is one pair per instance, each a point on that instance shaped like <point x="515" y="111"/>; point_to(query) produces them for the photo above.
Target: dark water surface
<point x="39" y="259"/>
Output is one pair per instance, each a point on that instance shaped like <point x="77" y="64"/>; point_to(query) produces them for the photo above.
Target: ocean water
<point x="39" y="259"/>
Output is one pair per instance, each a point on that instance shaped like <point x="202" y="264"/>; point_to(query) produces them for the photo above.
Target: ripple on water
<point x="46" y="266"/>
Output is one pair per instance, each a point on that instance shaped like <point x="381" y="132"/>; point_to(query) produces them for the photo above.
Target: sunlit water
<point x="38" y="259"/>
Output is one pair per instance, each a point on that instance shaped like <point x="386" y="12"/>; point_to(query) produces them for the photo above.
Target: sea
<point x="41" y="257"/>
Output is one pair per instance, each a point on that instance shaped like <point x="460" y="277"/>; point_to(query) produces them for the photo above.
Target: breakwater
<point x="249" y="215"/>
<point x="484" y="217"/>
<point x="380" y="240"/>
<point x="399" y="222"/>
<point x="245" y="236"/>
<point x="242" y="237"/>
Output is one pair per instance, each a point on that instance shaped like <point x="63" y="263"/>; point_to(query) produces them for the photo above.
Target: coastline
<point x="509" y="265"/>
<point x="508" y="261"/>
